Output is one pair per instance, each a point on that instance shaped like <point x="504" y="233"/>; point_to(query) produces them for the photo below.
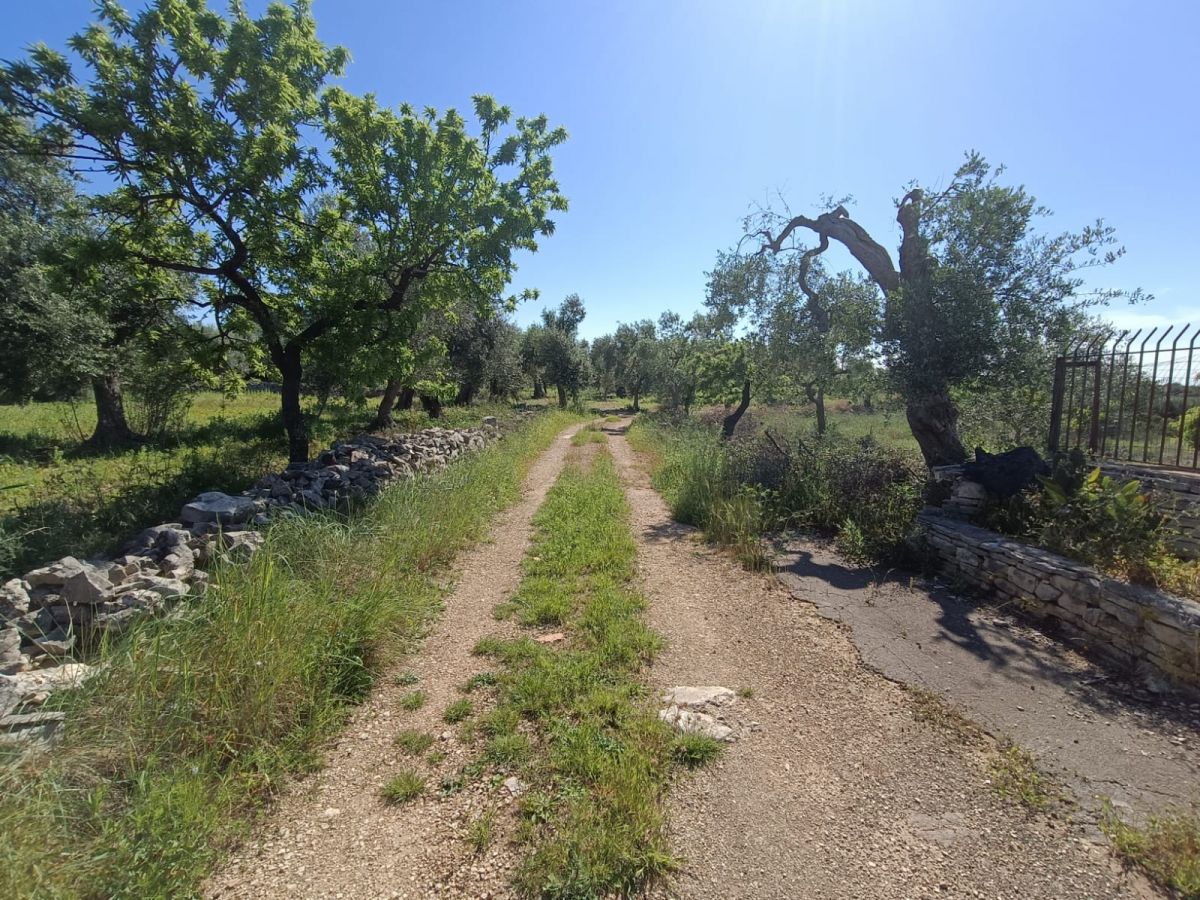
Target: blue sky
<point x="683" y="115"/>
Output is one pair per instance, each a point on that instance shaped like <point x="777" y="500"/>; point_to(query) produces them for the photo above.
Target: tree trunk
<point x="539" y="389"/>
<point x="933" y="419"/>
<point x="407" y="395"/>
<point x="636" y="397"/>
<point x="731" y="421"/>
<point x="293" y="415"/>
<point x="383" y="418"/>
<point x="562" y="397"/>
<point x="819" y="402"/>
<point x="112" y="428"/>
<point x="432" y="405"/>
<point x="466" y="393"/>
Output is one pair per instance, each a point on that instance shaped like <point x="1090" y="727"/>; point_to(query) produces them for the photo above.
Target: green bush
<point x="865" y="494"/>
<point x="1087" y="516"/>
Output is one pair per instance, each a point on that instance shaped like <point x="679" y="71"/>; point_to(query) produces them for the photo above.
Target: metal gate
<point x="1134" y="398"/>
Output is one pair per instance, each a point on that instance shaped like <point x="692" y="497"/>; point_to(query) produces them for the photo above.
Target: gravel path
<point x="332" y="835"/>
<point x="836" y="788"/>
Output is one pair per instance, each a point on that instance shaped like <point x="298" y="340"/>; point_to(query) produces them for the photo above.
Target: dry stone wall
<point x="50" y="614"/>
<point x="1152" y="633"/>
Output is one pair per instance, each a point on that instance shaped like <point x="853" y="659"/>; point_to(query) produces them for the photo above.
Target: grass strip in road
<point x="195" y="719"/>
<point x="601" y="760"/>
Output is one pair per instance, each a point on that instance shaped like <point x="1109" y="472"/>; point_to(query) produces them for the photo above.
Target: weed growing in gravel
<point x="193" y="717"/>
<point x="933" y="709"/>
<point x="502" y="612"/>
<point x="507" y="750"/>
<point x="412" y="701"/>
<point x="479" y="833"/>
<point x="457" y="711"/>
<point x="1167" y="849"/>
<point x="405" y="679"/>
<point x="414" y="742"/>
<point x="591" y="818"/>
<point x="1015" y="774"/>
<point x="746" y="692"/>
<point x="406" y="786"/>
<point x="434" y="757"/>
<point x="695" y="750"/>
<point x="478" y="680"/>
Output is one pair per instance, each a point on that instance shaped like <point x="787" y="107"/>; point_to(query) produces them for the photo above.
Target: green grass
<point x="589" y="434"/>
<point x="458" y="711"/>
<point x="480" y="832"/>
<point x="412" y="701"/>
<point x="57" y="499"/>
<point x="405" y="787"/>
<point x="600" y="758"/>
<point x="690" y="470"/>
<point x="194" y="720"/>
<point x="1167" y="848"/>
<point x="479" y="680"/>
<point x="695" y="750"/>
<point x="1015" y="775"/>
<point x="413" y="742"/>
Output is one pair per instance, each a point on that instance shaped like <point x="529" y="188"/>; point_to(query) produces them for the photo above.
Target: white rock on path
<point x="693" y="697"/>
<point x="689" y="721"/>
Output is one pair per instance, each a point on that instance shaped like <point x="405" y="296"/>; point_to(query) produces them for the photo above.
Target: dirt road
<point x="333" y="835"/>
<point x="838" y="789"/>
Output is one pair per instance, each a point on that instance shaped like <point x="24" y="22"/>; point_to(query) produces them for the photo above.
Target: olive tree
<point x="972" y="278"/>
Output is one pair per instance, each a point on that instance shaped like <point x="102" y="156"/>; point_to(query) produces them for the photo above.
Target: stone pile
<point x="46" y="616"/>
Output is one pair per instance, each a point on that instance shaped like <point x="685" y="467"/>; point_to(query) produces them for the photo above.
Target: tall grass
<point x="865" y="494"/>
<point x="591" y="818"/>
<point x="693" y="472"/>
<point x="195" y="719"/>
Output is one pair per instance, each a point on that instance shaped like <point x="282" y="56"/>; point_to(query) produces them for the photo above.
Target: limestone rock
<point x="14" y="599"/>
<point x="87" y="585"/>
<point x="16" y="689"/>
<point x="214" y="506"/>
<point x="691" y="697"/>
<point x="56" y="574"/>
<point x="166" y="588"/>
<point x="689" y="721"/>
<point x="11" y="660"/>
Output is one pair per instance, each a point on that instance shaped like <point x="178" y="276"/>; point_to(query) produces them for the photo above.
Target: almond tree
<point x="207" y="127"/>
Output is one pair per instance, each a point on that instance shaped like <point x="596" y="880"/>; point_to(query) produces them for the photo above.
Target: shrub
<point x="406" y="786"/>
<point x="866" y="494"/>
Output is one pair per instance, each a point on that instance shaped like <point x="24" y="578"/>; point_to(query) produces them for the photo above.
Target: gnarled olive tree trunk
<point x="931" y="412"/>
<point x="383" y="416"/>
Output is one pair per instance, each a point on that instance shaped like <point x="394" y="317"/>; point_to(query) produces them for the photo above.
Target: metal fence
<point x="1134" y="397"/>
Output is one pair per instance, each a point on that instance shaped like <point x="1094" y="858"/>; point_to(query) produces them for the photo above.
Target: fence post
<point x="1056" y="404"/>
<point x="1094" y="431"/>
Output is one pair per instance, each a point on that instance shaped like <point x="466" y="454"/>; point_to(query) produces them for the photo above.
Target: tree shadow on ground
<point x="998" y="635"/>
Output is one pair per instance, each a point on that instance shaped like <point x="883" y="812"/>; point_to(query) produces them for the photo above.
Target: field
<point x="57" y="499"/>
